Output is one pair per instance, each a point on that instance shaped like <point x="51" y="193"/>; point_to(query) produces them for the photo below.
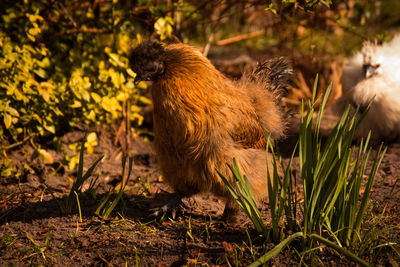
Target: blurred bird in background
<point x="374" y="72"/>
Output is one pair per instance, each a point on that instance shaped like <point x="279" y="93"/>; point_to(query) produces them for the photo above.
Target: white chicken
<point x="374" y="72"/>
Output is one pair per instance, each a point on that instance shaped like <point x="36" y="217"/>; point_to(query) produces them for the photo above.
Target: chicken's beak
<point x="370" y="70"/>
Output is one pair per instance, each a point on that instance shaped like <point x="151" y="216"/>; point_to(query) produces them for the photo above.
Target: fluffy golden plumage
<point x="202" y="120"/>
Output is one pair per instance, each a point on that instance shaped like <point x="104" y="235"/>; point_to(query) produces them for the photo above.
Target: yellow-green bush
<point x="61" y="64"/>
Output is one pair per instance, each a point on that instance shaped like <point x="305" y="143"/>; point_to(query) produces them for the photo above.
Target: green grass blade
<point x="378" y="160"/>
<point x="314" y="94"/>
<point x="321" y="109"/>
<point x="243" y="195"/>
<point x="276" y="250"/>
<point x="339" y="249"/>
<point x="80" y="164"/>
<point x="114" y="203"/>
<point x="79" y="206"/>
<point x="103" y="202"/>
<point x="89" y="172"/>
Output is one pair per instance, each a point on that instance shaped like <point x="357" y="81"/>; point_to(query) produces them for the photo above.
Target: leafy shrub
<point x="64" y="64"/>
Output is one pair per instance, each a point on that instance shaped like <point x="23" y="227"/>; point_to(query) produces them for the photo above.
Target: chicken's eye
<point x="371" y="69"/>
<point x="151" y="68"/>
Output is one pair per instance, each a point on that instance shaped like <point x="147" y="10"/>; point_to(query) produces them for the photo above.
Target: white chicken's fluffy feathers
<point x="374" y="72"/>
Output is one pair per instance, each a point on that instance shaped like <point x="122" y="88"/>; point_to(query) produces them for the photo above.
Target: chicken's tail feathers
<point x="275" y="73"/>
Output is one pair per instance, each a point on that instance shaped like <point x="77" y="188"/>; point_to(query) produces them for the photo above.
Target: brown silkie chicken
<point x="202" y="120"/>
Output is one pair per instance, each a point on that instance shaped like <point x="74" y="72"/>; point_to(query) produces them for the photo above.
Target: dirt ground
<point x="33" y="230"/>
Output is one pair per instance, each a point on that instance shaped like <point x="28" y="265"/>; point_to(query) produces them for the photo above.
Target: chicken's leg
<point x="173" y="206"/>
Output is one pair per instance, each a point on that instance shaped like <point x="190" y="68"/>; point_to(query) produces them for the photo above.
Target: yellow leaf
<point x="86" y="82"/>
<point x="85" y="95"/>
<point x="135" y="109"/>
<point x="76" y="104"/>
<point x="111" y="72"/>
<point x="110" y="104"/>
<point x="12" y="112"/>
<point x="40" y="72"/>
<point x="89" y="150"/>
<point x="124" y="43"/>
<point x="92" y="115"/>
<point x="73" y="162"/>
<point x="138" y="117"/>
<point x="95" y="97"/>
<point x="7" y="120"/>
<point x="6" y="172"/>
<point x="92" y="139"/>
<point x="116" y="59"/>
<point x="74" y="147"/>
<point x="49" y="128"/>
<point x="45" y="95"/>
<point x="101" y="65"/>
<point x="163" y="27"/>
<point x="47" y="85"/>
<point x="91" y="142"/>
<point x="32" y="38"/>
<point x="115" y="78"/>
<point x="34" y="31"/>
<point x="34" y="17"/>
<point x="142" y="85"/>
<point x="45" y="156"/>
<point x="43" y="52"/>
<point x="121" y="96"/>
<point x="131" y="73"/>
<point x="144" y="100"/>
<point x="45" y="63"/>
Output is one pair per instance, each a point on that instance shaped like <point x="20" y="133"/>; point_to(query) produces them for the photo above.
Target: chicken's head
<point x="146" y="61"/>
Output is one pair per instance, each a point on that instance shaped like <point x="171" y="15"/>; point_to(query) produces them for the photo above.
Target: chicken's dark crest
<point x="146" y="61"/>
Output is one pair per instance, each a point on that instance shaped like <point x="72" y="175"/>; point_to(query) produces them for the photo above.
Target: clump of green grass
<point x="244" y="196"/>
<point x="106" y="206"/>
<point x="332" y="179"/>
<point x="76" y="188"/>
<point x="282" y="195"/>
<point x="332" y="183"/>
